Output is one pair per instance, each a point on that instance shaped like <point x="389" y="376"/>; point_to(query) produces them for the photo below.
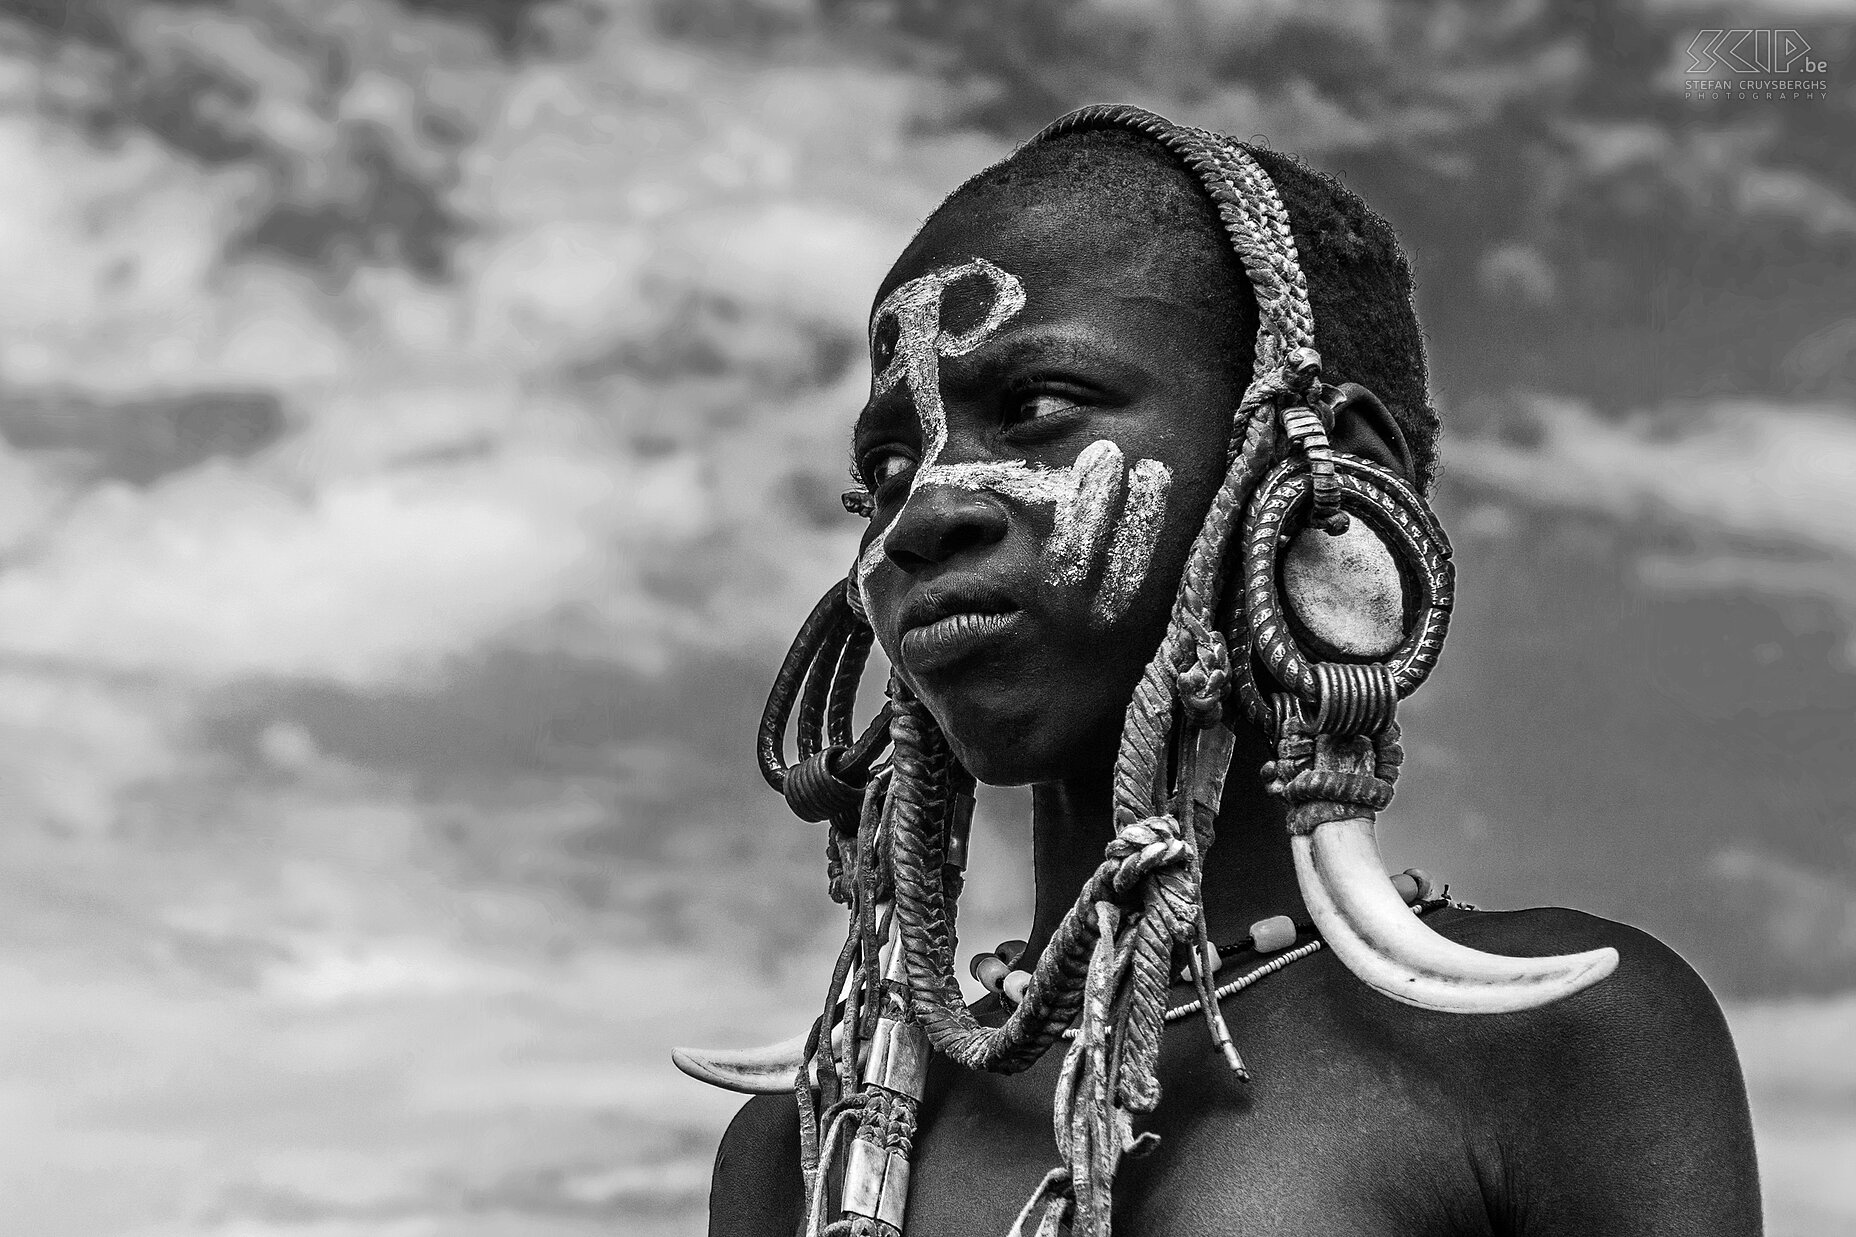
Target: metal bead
<point x="1427" y="888"/>
<point x="1272" y="935"/>
<point x="990" y="970"/>
<point x="1407" y="886"/>
<point x="1015" y="985"/>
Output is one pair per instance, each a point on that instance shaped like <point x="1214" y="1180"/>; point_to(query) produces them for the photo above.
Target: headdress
<point x="897" y="840"/>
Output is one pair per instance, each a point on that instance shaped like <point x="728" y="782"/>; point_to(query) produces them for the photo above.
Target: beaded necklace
<point x="998" y="971"/>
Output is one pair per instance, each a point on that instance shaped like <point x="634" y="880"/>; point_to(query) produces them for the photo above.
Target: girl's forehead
<point x="1053" y="253"/>
<point x="1121" y="313"/>
<point x="911" y="332"/>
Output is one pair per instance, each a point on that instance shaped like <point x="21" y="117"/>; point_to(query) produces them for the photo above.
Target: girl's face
<point x="1047" y="424"/>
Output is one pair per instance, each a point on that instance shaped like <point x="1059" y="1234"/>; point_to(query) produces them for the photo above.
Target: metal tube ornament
<point x="876" y="1172"/>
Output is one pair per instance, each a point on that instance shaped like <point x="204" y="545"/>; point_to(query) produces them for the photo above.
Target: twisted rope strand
<point x="919" y="853"/>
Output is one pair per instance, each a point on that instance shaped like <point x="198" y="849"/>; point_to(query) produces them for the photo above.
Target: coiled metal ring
<point x="1342" y="697"/>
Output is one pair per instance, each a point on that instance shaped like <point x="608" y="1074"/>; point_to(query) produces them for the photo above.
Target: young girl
<point x="1143" y="462"/>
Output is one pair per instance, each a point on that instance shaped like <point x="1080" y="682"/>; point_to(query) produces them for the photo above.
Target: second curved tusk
<point x="773" y="1069"/>
<point x="1365" y="922"/>
<point x="770" y="1070"/>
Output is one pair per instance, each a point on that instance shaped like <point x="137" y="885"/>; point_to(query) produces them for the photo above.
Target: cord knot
<point x="1143" y="847"/>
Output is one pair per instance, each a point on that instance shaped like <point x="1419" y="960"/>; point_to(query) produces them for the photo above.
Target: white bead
<point x="1272" y="935"/>
<point x="1015" y="985"/>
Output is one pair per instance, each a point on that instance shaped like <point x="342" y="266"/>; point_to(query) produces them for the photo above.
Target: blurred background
<point x="423" y="422"/>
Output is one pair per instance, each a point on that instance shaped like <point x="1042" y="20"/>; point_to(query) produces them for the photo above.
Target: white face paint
<point x="1096" y="485"/>
<point x="921" y="343"/>
<point x="1086" y="495"/>
<point x="1133" y="547"/>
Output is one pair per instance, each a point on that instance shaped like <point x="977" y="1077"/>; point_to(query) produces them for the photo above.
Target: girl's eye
<point x="1037" y="405"/>
<point x="885" y="468"/>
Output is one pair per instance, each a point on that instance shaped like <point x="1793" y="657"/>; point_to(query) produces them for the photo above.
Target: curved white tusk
<point x="771" y="1070"/>
<point x="774" y="1068"/>
<point x="1364" y="921"/>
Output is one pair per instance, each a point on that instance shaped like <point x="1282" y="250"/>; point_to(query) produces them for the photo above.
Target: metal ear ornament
<point x="1332" y="717"/>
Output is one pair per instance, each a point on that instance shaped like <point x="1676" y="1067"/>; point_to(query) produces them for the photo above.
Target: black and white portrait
<point x="896" y="617"/>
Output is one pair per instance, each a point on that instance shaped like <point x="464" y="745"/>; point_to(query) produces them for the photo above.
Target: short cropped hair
<point x="1359" y="282"/>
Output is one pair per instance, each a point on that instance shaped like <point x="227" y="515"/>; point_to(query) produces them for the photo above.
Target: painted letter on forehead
<point x="921" y="343"/>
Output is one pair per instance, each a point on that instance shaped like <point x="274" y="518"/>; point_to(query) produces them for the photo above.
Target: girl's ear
<point x="1363" y="427"/>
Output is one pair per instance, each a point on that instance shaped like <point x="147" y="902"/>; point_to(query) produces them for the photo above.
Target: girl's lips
<point x="938" y="645"/>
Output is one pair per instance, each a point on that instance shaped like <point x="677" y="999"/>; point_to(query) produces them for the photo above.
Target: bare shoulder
<point x="756" y="1188"/>
<point x="1621" y="1108"/>
<point x="1651" y="1022"/>
<point x="1654" y="995"/>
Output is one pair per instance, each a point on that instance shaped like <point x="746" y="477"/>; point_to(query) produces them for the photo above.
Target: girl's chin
<point x="1029" y="750"/>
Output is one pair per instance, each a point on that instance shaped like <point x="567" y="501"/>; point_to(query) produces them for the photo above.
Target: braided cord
<point x="919" y="765"/>
<point x="1255" y="220"/>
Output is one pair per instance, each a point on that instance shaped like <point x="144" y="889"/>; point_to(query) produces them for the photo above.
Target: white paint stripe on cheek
<point x="1083" y="516"/>
<point x="1015" y="479"/>
<point x="1135" y="537"/>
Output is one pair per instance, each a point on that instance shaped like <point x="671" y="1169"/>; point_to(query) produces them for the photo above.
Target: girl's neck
<point x="1249" y="873"/>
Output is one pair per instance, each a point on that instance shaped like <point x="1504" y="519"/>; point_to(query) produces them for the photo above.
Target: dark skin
<point x="1619" y="1110"/>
